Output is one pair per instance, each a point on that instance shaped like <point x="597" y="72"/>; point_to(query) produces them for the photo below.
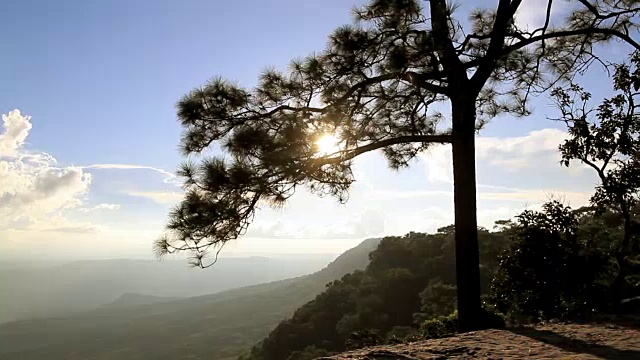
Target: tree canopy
<point x="607" y="139"/>
<point x="374" y="88"/>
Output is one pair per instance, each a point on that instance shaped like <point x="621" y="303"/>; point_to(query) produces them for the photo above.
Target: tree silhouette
<point x="607" y="139"/>
<point x="375" y="87"/>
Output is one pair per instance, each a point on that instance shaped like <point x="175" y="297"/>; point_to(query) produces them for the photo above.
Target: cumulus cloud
<point x="160" y="197"/>
<point x="32" y="187"/>
<point x="38" y="195"/>
<point x="16" y="129"/>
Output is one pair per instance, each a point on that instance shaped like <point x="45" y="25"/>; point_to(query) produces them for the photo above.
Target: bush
<point x="440" y="326"/>
<point x="363" y="338"/>
<point x="402" y="334"/>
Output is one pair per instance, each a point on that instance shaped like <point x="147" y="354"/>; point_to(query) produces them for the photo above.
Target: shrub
<point x="363" y="338"/>
<point x="440" y="326"/>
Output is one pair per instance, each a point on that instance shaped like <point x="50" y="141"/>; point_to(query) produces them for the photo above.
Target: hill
<point x="548" y="341"/>
<point x="58" y="290"/>
<point x="218" y="326"/>
<point x="134" y="299"/>
<point x="408" y="280"/>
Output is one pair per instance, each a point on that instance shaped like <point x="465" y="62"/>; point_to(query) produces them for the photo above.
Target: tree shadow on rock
<point x="576" y="345"/>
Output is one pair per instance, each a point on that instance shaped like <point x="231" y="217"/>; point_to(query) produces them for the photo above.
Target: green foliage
<point x="436" y="300"/>
<point x="547" y="272"/>
<point x="440" y="326"/>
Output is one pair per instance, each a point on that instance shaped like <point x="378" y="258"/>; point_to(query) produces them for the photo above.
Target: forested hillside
<point x="409" y="277"/>
<point x="552" y="263"/>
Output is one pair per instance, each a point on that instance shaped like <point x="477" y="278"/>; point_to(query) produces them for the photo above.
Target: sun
<point x="327" y="144"/>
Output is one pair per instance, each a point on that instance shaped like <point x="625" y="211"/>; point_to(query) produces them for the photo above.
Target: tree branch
<point x="439" y="25"/>
<point x="350" y="154"/>
<point x="414" y="78"/>
<point x="505" y="12"/>
<point x="565" y="33"/>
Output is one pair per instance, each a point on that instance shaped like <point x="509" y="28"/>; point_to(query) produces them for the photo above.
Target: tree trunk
<point x="466" y="228"/>
<point x="620" y="282"/>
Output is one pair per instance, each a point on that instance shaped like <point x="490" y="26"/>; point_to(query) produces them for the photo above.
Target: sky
<point x="89" y="140"/>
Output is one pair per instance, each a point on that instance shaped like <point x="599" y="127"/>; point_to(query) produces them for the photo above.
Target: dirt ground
<point x="547" y="341"/>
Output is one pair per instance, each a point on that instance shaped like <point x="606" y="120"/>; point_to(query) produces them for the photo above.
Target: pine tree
<point x="374" y="88"/>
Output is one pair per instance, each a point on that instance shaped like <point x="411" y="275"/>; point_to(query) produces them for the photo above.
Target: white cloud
<point x="40" y="199"/>
<point x="524" y="151"/>
<point x="532" y="13"/>
<point x="438" y="163"/>
<point x="536" y="151"/>
<point x="32" y="187"/>
<point x="169" y="178"/>
<point x="513" y="174"/>
<point x="103" y="206"/>
<point x="107" y="207"/>
<point x="160" y="197"/>
<point x="15" y="131"/>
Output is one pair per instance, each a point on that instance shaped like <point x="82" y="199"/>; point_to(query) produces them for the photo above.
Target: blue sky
<point x="99" y="80"/>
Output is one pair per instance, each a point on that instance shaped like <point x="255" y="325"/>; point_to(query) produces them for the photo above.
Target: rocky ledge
<point x="547" y="341"/>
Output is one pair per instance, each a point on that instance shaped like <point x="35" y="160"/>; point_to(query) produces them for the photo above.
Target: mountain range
<point x="29" y="291"/>
<point x="135" y="325"/>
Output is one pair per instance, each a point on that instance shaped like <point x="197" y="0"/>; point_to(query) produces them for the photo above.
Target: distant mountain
<point x="133" y="299"/>
<point x="219" y="326"/>
<point x="30" y="292"/>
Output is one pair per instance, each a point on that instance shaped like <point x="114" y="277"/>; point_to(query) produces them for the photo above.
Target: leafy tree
<point x="607" y="139"/>
<point x="374" y="88"/>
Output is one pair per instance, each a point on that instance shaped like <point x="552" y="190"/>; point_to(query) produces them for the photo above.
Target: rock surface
<point x="548" y="341"/>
